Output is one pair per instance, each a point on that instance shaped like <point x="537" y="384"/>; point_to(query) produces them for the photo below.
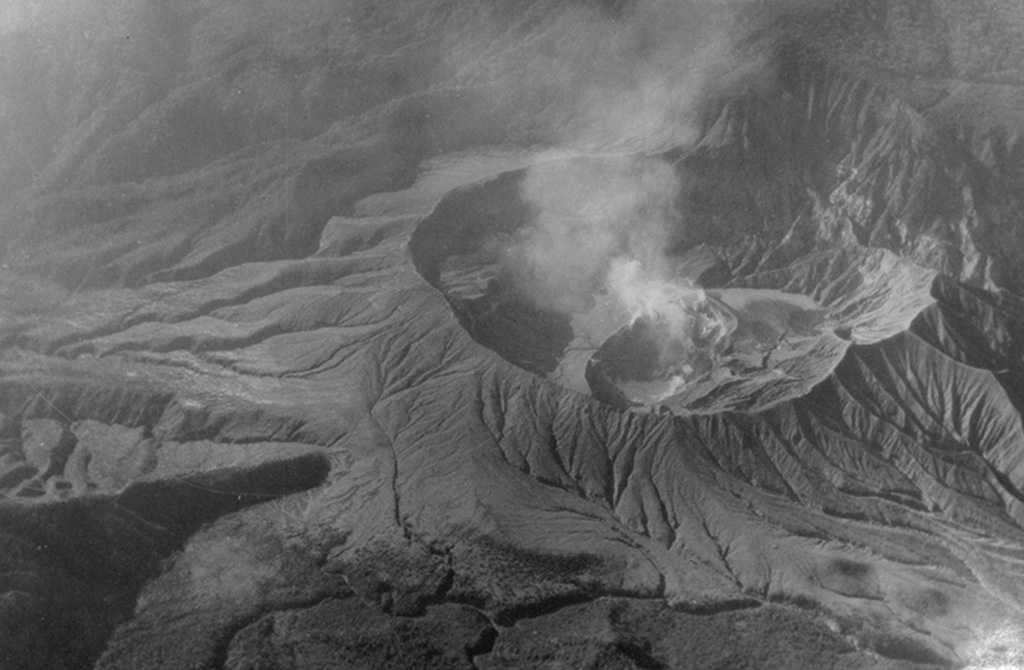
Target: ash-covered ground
<point x="532" y="334"/>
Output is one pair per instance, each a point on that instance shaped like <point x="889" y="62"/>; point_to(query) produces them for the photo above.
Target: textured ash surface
<point x="264" y="405"/>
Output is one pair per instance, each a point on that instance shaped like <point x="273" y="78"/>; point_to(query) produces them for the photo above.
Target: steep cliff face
<point x="271" y="395"/>
<point x="843" y="160"/>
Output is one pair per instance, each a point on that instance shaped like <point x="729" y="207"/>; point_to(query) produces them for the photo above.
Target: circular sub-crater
<point x="747" y="343"/>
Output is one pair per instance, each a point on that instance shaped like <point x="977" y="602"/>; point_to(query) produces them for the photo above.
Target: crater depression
<point x="695" y="338"/>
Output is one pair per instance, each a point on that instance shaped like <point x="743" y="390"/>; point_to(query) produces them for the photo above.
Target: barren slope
<point x="269" y="399"/>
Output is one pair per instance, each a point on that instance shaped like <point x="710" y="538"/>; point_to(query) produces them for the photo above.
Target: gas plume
<point x="603" y="221"/>
<point x="589" y="212"/>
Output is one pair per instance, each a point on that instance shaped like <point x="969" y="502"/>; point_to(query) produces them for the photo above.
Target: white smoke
<point x="678" y="315"/>
<point x="672" y="302"/>
<point x="671" y="57"/>
<point x="587" y="213"/>
<point x="604" y="223"/>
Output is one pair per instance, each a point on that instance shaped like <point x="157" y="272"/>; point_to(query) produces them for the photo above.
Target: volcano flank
<point x="544" y="334"/>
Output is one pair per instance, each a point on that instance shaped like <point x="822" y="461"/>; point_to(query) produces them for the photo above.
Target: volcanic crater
<point x="750" y="340"/>
<point x="301" y="365"/>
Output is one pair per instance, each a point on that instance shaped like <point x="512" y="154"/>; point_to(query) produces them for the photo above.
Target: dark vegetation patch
<point x="851" y="569"/>
<point x="720" y="607"/>
<point x="402" y="580"/>
<point x="541" y="607"/>
<point x="346" y="633"/>
<point x="514" y="584"/>
<point x="907" y="649"/>
<point x="640" y="654"/>
<point x="82" y="562"/>
<point x="931" y="603"/>
<point x="649" y="635"/>
<point x="182" y="505"/>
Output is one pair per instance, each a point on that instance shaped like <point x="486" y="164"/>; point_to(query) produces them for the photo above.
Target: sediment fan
<point x="275" y="394"/>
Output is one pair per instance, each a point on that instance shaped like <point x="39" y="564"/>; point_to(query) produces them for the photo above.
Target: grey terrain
<point x="554" y="334"/>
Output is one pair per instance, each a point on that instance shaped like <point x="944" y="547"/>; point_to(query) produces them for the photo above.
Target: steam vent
<point x="547" y="334"/>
